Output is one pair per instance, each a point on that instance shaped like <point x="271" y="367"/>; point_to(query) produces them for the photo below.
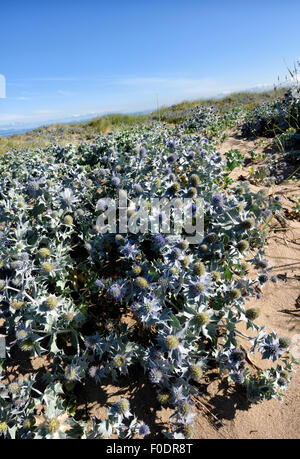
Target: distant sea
<point x="14" y="131"/>
<point x="7" y="132"/>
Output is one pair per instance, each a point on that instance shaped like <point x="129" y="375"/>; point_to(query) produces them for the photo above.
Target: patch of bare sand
<point x="279" y="312"/>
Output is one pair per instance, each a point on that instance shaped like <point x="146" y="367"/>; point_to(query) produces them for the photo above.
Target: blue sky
<point x="67" y="59"/>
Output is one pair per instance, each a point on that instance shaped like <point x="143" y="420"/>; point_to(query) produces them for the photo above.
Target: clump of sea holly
<point x="53" y="425"/>
<point x="68" y="220"/>
<point x="136" y="269"/>
<point x="123" y="407"/>
<point x="210" y="238"/>
<point x="195" y="372"/>
<point x="235" y="293"/>
<point x="47" y="268"/>
<point x="203" y="248"/>
<point x="284" y="342"/>
<point x="242" y="245"/>
<point x="216" y="276"/>
<point x="174" y="188"/>
<point x="3" y="427"/>
<point x="194" y="180"/>
<point x="198" y="268"/>
<point x="252" y="313"/>
<point x="188" y="431"/>
<point x="163" y="398"/>
<point x="16" y="305"/>
<point x="192" y="192"/>
<point x="44" y="252"/>
<point x="51" y="302"/>
<point x="171" y="342"/>
<point x="141" y="283"/>
<point x="202" y="318"/>
<point x="247" y="224"/>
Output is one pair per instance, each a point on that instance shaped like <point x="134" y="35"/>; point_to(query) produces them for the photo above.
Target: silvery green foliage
<point x="201" y="117"/>
<point x="101" y="305"/>
<point x="209" y="120"/>
<point x="274" y="117"/>
<point x="19" y="420"/>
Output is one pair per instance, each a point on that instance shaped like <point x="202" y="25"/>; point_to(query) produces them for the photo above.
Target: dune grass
<point x="89" y="130"/>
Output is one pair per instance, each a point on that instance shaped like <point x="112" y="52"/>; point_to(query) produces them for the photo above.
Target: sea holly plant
<point x="100" y="302"/>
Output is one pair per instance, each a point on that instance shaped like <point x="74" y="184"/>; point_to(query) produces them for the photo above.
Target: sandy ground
<point x="223" y="412"/>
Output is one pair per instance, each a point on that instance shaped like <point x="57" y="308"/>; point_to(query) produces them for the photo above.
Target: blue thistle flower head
<point x="115" y="181"/>
<point x="100" y="283"/>
<point x="97" y="373"/>
<point x="147" y="311"/>
<point x="138" y="189"/>
<point x="23" y="332"/>
<point x="101" y="204"/>
<point x="168" y="171"/>
<point x="175" y="254"/>
<point x="237" y="355"/>
<point x="101" y="173"/>
<point x="33" y="188"/>
<point x="68" y="199"/>
<point x="143" y="152"/>
<point x="263" y="278"/>
<point x="94" y="342"/>
<point x="270" y="348"/>
<point x="159" y="240"/>
<point x="129" y="251"/>
<point x="198" y="288"/>
<point x="144" y="429"/>
<point x="115" y="291"/>
<point x="172" y="158"/>
<point x="191" y="155"/>
<point x="171" y="144"/>
<point x="72" y="372"/>
<point x="155" y="376"/>
<point x="218" y="201"/>
<point x="237" y="376"/>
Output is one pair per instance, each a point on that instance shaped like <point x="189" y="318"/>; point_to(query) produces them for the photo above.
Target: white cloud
<point x="22" y="98"/>
<point x="61" y="92"/>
